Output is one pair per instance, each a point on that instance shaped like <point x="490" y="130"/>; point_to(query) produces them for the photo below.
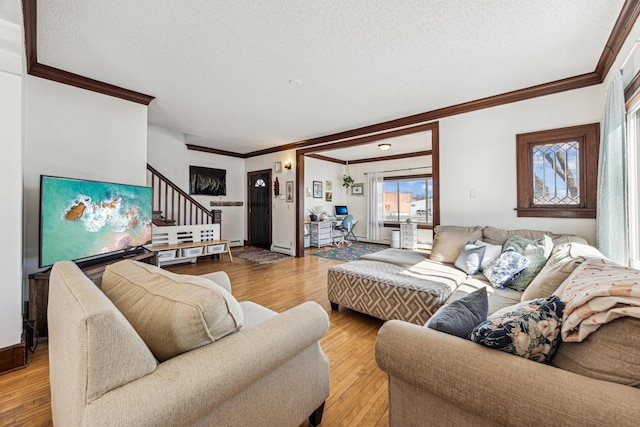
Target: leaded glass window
<point x="556" y="174"/>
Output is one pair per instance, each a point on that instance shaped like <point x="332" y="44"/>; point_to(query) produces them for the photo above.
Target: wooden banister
<point x="177" y="206"/>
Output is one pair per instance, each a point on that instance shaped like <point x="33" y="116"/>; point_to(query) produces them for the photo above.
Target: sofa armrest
<point x="220" y="278"/>
<point x="478" y="379"/>
<point x="196" y="382"/>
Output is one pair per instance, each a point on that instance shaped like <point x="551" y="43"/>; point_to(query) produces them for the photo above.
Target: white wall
<point x="75" y="133"/>
<point x="11" y="172"/>
<point x="323" y="171"/>
<point x="478" y="152"/>
<point x="169" y="155"/>
<point x="284" y="214"/>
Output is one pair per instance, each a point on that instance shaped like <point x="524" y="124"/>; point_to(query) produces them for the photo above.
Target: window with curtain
<point x="633" y="171"/>
<point x="557" y="172"/>
<point x="408" y="197"/>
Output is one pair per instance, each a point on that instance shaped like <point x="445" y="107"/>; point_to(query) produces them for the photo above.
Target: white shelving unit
<point x="409" y="236"/>
<point x="320" y="233"/>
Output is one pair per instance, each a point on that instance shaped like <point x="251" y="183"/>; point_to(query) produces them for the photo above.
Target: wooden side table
<point x="39" y="289"/>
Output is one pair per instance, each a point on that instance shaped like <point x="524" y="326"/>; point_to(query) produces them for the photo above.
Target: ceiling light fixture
<point x="384" y="147"/>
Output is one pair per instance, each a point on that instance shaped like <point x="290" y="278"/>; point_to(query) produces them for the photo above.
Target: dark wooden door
<point x="259" y="206"/>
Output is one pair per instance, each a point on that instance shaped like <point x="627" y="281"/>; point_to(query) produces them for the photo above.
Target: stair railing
<point x="177" y="206"/>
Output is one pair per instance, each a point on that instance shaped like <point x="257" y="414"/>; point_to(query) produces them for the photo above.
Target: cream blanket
<point x="597" y="292"/>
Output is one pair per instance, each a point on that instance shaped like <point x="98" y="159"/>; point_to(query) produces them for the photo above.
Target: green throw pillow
<point x="536" y="251"/>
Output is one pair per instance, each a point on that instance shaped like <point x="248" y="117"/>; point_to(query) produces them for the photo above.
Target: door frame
<point x="270" y="230"/>
<point x="362" y="139"/>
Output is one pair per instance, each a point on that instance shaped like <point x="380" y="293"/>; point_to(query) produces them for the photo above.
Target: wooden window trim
<point x="588" y="137"/>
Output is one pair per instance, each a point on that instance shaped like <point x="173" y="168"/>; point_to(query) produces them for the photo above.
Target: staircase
<point x="172" y="206"/>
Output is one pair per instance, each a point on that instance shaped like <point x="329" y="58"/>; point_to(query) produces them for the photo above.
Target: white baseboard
<point x="282" y="250"/>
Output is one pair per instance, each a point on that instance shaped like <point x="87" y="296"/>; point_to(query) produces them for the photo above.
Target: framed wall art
<point x="317" y="189"/>
<point x="357" y="189"/>
<point x="289" y="192"/>
<point x="207" y="181"/>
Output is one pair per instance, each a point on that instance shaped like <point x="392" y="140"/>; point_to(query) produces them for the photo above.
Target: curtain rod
<point x="400" y="170"/>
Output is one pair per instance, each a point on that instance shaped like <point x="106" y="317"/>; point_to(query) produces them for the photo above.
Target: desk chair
<point x="355" y="222"/>
<point x="341" y="231"/>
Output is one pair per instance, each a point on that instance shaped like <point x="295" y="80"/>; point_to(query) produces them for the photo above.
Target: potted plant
<point x="347" y="181"/>
<point x="312" y="215"/>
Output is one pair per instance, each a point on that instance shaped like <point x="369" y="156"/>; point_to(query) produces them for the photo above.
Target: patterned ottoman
<point x="388" y="291"/>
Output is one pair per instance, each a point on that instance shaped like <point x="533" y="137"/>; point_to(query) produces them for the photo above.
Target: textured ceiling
<point x="222" y="70"/>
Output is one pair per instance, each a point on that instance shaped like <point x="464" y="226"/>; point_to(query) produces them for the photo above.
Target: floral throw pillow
<point x="503" y="270"/>
<point x="530" y="329"/>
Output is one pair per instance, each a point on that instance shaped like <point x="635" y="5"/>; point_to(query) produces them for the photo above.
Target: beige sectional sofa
<point x="412" y="285"/>
<point x="185" y="353"/>
<point x="443" y="380"/>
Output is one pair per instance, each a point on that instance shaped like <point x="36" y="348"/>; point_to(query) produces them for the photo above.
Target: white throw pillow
<point x="491" y="254"/>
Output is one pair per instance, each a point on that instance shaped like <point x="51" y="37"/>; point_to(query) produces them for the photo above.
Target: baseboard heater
<point x="235" y="243"/>
<point x="282" y="250"/>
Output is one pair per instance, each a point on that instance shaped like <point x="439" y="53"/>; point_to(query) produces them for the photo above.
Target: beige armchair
<point x="270" y="373"/>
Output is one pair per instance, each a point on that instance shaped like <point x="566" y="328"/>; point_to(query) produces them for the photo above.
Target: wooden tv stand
<point x="39" y="288"/>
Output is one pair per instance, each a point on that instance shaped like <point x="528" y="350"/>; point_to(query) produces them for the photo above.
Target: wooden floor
<point x="358" y="388"/>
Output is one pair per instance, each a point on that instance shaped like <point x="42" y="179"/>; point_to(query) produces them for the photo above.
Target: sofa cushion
<point x="461" y="316"/>
<point x="172" y="313"/>
<point x="470" y="258"/>
<point x="563" y="260"/>
<point x="536" y="251"/>
<point x="612" y="353"/>
<point x="498" y="236"/>
<point x="530" y="329"/>
<point x="491" y="254"/>
<point x="448" y="241"/>
<point x="502" y="271"/>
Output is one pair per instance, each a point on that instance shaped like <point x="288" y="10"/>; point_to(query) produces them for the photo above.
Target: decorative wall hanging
<point x="276" y="187"/>
<point x="317" y="189"/>
<point x="289" y="192"/>
<point x="207" y="181"/>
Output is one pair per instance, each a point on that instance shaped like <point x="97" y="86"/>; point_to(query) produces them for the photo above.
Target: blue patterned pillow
<point x="503" y="270"/>
<point x="530" y="329"/>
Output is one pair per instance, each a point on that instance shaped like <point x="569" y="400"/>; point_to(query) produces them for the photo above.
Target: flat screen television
<point x="341" y="210"/>
<point x="88" y="221"/>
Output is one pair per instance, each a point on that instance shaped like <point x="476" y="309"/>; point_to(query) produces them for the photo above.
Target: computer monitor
<point x="341" y="211"/>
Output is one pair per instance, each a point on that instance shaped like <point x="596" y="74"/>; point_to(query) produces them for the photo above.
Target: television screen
<point x="83" y="219"/>
<point x="341" y="210"/>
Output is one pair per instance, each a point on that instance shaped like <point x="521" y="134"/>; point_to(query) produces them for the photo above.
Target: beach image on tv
<point x="86" y="218"/>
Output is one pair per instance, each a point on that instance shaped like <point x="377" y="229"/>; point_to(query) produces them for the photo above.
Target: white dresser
<point x="409" y="236"/>
<point x="320" y="233"/>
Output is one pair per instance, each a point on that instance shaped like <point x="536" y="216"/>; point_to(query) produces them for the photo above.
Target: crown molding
<point x="34" y="68"/>
<point x="216" y="151"/>
<point x="626" y="19"/>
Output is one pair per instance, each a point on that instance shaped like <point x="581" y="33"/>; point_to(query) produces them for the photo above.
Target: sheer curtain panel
<point x="611" y="219"/>
<point x="375" y="205"/>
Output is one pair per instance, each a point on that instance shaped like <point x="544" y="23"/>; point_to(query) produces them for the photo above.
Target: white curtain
<point x="611" y="223"/>
<point x="375" y="205"/>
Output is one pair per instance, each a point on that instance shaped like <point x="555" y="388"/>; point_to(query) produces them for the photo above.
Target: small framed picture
<point x="329" y="196"/>
<point x="317" y="189"/>
<point x="308" y="192"/>
<point x="329" y="185"/>
<point x="278" y="167"/>
<point x="357" y="189"/>
<point x="289" y="192"/>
